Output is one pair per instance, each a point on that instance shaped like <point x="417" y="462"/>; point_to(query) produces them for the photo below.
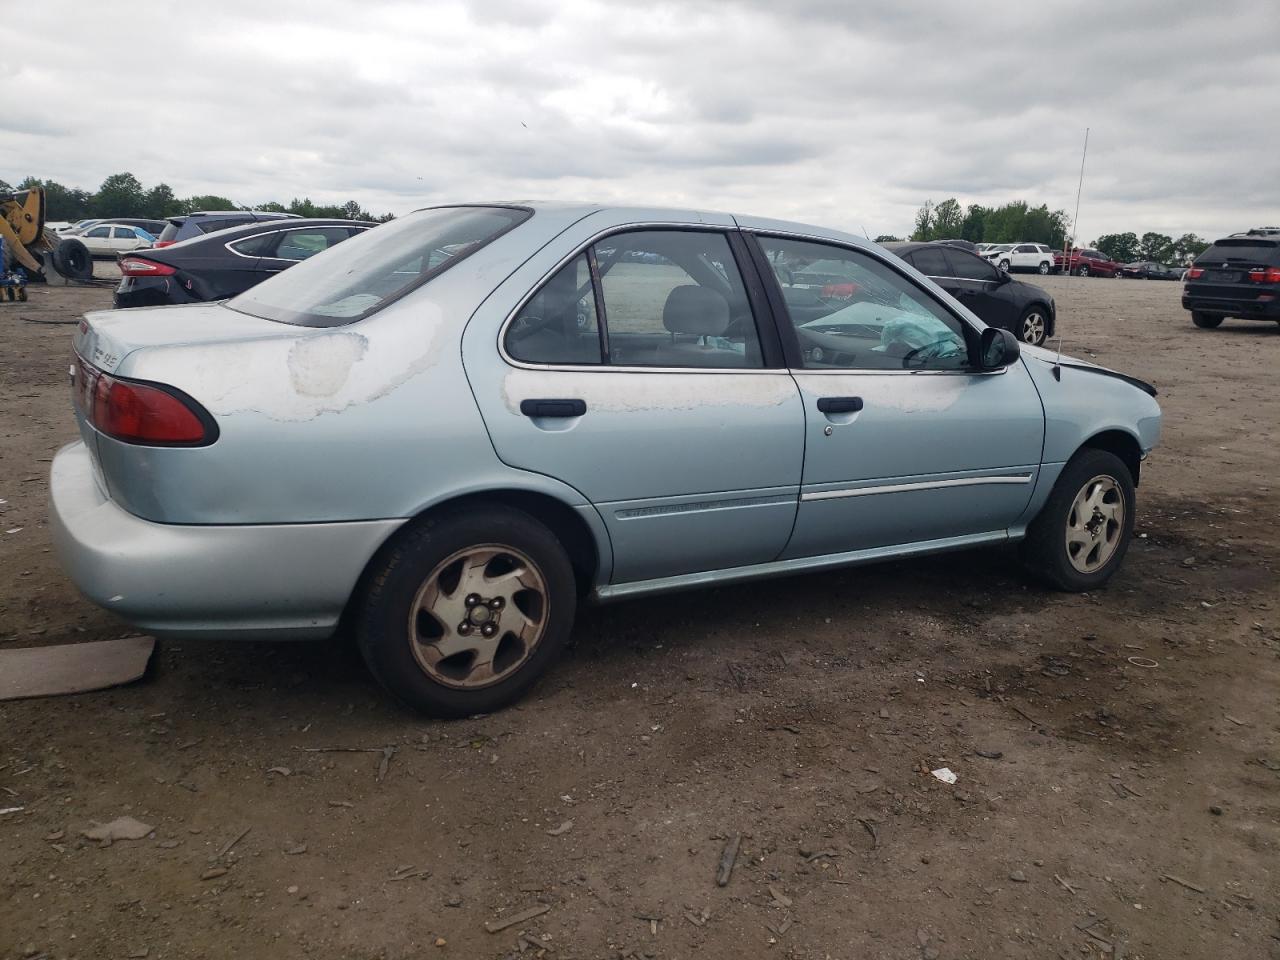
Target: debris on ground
<point x="728" y="856"/>
<point x="501" y="923"/>
<point x="945" y="775"/>
<point x="121" y="828"/>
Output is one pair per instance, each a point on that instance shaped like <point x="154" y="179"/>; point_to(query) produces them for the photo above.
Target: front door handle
<point x="839" y="404"/>
<point x="553" y="408"/>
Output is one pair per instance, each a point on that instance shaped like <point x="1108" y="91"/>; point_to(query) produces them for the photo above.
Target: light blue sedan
<point x="447" y="431"/>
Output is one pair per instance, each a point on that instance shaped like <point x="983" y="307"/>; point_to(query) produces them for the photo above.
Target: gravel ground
<point x="1102" y="809"/>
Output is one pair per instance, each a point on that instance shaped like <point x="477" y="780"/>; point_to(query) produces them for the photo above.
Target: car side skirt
<point x="777" y="568"/>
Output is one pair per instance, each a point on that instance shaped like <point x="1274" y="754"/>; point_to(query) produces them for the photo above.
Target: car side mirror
<point x="997" y="348"/>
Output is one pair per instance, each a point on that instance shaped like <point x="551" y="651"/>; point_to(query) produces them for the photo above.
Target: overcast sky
<point x="839" y="113"/>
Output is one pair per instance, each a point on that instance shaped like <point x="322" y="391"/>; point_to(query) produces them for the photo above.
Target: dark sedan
<point x="218" y="265"/>
<point x="1150" y="270"/>
<point x="998" y="300"/>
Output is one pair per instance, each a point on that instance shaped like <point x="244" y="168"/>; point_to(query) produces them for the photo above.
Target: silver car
<point x="447" y="431"/>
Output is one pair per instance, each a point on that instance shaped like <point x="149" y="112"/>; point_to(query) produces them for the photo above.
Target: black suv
<point x="208" y="221"/>
<point x="1024" y="309"/>
<point x="1239" y="276"/>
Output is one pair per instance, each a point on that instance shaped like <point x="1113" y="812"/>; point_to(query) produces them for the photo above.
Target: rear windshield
<point x="356" y="278"/>
<point x="1243" y="249"/>
<point x="170" y="231"/>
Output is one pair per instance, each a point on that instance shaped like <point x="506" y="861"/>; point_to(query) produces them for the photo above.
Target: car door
<point x="640" y="367"/>
<point x="98" y="241"/>
<point x="983" y="288"/>
<point x="124" y="239"/>
<point x="905" y="443"/>
<point x="1025" y="257"/>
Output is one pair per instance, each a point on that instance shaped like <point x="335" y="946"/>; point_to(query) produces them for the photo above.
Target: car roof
<point x="300" y="223"/>
<point x="272" y="214"/>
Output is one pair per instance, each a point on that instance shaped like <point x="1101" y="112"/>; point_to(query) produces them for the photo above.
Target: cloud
<point x="845" y="114"/>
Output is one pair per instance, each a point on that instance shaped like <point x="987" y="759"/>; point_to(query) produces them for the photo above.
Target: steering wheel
<point x="907" y="357"/>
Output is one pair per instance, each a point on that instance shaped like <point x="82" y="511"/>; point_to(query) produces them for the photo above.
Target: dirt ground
<point x="1115" y="810"/>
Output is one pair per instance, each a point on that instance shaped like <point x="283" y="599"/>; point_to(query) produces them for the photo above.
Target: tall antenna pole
<point x="1079" y="189"/>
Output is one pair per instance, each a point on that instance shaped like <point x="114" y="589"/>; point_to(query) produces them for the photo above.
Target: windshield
<point x="350" y="281"/>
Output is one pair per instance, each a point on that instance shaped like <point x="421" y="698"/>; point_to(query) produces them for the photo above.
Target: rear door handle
<point x="553" y="408"/>
<point x="839" y="404"/>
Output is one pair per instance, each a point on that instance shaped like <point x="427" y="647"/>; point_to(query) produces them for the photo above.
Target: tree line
<point x="1019" y="222"/>
<point x="123" y="195"/>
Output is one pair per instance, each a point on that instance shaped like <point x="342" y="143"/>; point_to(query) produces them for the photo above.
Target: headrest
<point x="697" y="310"/>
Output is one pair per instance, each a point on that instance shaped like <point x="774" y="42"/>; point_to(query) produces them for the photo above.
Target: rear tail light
<point x="1195" y="273"/>
<point x="142" y="267"/>
<point x="143" y="413"/>
<point x="163" y="243"/>
<point x="1265" y="275"/>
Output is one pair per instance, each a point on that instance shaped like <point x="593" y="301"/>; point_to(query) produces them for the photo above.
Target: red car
<point x="1086" y="261"/>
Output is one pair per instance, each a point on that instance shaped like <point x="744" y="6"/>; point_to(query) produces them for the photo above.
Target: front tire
<point x="1078" y="540"/>
<point x="1205" y="321"/>
<point x="1004" y="265"/>
<point x="1033" y="328"/>
<point x="1083" y="271"/>
<point x="464" y="611"/>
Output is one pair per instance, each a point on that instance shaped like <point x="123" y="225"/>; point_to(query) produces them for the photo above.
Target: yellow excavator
<point x="26" y="241"/>
<point x="31" y="253"/>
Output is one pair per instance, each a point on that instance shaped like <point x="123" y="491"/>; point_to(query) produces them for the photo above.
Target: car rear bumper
<point x="149" y="292"/>
<point x="1249" y="309"/>
<point x="279" y="581"/>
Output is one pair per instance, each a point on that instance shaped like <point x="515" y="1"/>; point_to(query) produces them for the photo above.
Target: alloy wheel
<point x="478" y="616"/>
<point x="1033" y="328"/>
<point x="1095" y="524"/>
<point x="1044" y="269"/>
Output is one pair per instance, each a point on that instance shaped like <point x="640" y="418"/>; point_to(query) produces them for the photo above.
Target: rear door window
<point x="931" y="262"/>
<point x="258" y="246"/>
<point x="300" y="244"/>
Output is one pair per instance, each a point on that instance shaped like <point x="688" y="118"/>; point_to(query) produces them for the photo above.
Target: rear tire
<point x="1078" y="540"/>
<point x="1205" y="321"/>
<point x="1044" y="269"/>
<point x="422" y="638"/>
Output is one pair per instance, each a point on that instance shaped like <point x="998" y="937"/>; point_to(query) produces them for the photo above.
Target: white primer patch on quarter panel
<point x="301" y="378"/>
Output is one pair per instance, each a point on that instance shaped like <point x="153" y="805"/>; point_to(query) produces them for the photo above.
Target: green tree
<point x="974" y="223"/>
<point x="883" y="238"/>
<point x="60" y="203"/>
<point x="209" y="201"/>
<point x="1155" y="246"/>
<point x="1122" y="247"/>
<point x="924" y="222"/>
<point x="1188" y="246"/>
<point x="948" y="219"/>
<point x="162" y="204"/>
<point x="271" y="206"/>
<point x="121" y="195"/>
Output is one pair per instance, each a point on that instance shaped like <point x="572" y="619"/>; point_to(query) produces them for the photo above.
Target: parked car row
<point x="448" y="429"/>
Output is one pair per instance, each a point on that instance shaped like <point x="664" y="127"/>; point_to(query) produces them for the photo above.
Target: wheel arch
<point x="1121" y="443"/>
<point x="589" y="550"/>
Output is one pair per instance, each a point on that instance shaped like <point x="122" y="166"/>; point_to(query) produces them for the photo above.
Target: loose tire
<point x="1044" y="269"/>
<point x="1083" y="271"/>
<point x="71" y="259"/>
<point x="461" y="613"/>
<point x="1033" y="328"/>
<point x="1080" y="536"/>
<point x="1206" y="321"/>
